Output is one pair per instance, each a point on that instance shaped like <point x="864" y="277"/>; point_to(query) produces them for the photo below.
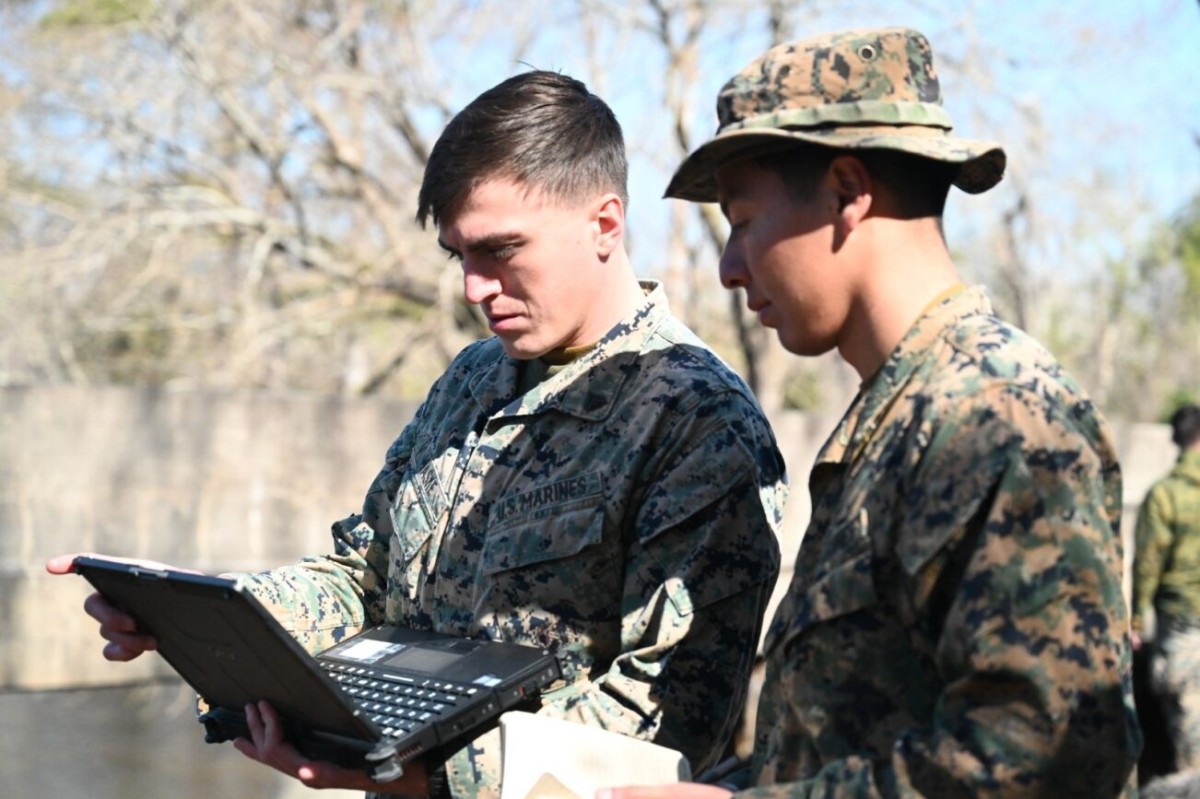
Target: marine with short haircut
<point x="955" y="626"/>
<point x="592" y="479"/>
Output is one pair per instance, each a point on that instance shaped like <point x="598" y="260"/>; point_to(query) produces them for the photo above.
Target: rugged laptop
<point x="376" y="701"/>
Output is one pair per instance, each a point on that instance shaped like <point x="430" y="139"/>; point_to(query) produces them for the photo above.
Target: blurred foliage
<point x="98" y="12"/>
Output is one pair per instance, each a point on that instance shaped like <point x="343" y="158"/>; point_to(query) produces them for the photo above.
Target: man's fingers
<point x="272" y="727"/>
<point x="246" y="747"/>
<point x="266" y="743"/>
<point x="65" y="564"/>
<point x="258" y="732"/>
<point x="254" y="726"/>
<point x="116" y="653"/>
<point x="119" y="629"/>
<point x="61" y="564"/>
<point x="102" y="611"/>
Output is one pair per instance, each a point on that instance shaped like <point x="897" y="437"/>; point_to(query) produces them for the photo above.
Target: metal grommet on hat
<point x="862" y="89"/>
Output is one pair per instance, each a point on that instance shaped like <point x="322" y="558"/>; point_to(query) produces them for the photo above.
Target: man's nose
<point x="478" y="287"/>
<point x="732" y="268"/>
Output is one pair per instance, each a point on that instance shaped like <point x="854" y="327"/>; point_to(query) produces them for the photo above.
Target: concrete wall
<point x="231" y="482"/>
<point x="208" y="481"/>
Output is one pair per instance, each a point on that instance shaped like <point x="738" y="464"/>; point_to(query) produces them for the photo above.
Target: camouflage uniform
<point x="622" y="514"/>
<point x="956" y="626"/>
<point x="1167" y="577"/>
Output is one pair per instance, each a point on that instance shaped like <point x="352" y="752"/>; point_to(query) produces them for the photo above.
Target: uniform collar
<point x="908" y="357"/>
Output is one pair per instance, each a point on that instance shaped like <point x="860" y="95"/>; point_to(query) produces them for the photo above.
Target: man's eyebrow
<point x="490" y="241"/>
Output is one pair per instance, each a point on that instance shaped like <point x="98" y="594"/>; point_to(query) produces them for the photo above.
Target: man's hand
<point x="119" y="629"/>
<point x="267" y="745"/>
<point x="675" y="790"/>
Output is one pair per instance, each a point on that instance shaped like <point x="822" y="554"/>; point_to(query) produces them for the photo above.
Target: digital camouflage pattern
<point x="1166" y="578"/>
<point x="861" y="89"/>
<point x="955" y="626"/>
<point x="623" y="514"/>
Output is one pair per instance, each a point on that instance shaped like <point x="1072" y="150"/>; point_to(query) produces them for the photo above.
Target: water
<point x="119" y="743"/>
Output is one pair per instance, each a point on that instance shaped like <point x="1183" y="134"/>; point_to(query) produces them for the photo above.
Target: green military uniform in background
<point x="622" y="513"/>
<point x="1166" y="580"/>
<point x="956" y="625"/>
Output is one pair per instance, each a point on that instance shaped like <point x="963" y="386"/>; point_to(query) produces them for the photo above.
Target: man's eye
<point x="504" y="253"/>
<point x="451" y="255"/>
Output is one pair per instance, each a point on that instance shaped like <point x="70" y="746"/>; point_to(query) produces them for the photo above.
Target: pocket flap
<point x="562" y="535"/>
<point x="848" y="587"/>
<point x="844" y="589"/>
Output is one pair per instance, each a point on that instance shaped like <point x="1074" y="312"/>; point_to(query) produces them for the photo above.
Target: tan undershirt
<point x="531" y="373"/>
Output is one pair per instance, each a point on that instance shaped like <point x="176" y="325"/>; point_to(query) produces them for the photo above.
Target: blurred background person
<point x="1166" y="588"/>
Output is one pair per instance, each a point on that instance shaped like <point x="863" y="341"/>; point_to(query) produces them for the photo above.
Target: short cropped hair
<point x="1185" y="426"/>
<point x="920" y="184"/>
<point x="542" y="129"/>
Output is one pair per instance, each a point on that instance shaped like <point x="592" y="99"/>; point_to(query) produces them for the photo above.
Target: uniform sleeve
<point x="322" y="600"/>
<point x="1152" y="544"/>
<point x="699" y="572"/>
<point x="1014" y="574"/>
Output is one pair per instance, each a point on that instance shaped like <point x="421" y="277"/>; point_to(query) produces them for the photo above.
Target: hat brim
<point x="981" y="162"/>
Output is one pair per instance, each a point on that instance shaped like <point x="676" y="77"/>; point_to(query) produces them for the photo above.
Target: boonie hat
<point x="861" y="89"/>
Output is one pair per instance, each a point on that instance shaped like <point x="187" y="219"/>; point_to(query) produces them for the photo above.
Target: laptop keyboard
<point x="397" y="704"/>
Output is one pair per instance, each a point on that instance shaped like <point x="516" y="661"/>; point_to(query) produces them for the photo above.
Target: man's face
<point x="530" y="263"/>
<point x="782" y="252"/>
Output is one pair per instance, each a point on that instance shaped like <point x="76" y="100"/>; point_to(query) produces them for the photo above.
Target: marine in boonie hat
<point x="860" y="89"/>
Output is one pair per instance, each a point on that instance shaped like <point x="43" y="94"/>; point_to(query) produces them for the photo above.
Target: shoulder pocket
<point x="414" y="513"/>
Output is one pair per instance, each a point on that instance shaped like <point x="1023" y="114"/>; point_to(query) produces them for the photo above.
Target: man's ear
<point x="610" y="224"/>
<point x="855" y="190"/>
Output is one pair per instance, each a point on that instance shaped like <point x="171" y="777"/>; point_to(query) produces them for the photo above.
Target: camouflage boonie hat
<point x="861" y="89"/>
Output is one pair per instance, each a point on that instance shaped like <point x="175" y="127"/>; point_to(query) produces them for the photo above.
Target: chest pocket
<point x="846" y="584"/>
<point x="557" y="580"/>
<point x="561" y="565"/>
